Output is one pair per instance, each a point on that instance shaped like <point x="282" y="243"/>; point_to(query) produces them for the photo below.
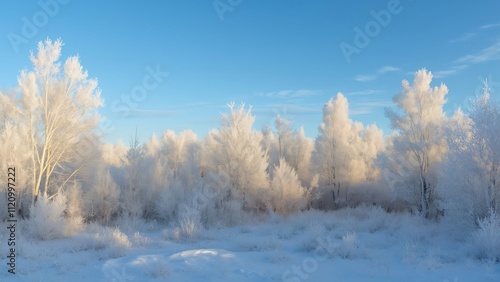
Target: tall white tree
<point x="300" y="155"/>
<point x="485" y="115"/>
<point x="419" y="144"/>
<point x="101" y="199"/>
<point x="235" y="149"/>
<point x="285" y="136"/>
<point x="134" y="197"/>
<point x="58" y="107"/>
<point x="345" y="150"/>
<point x="270" y="145"/>
<point x="471" y="176"/>
<point x="177" y="171"/>
<point x="291" y="145"/>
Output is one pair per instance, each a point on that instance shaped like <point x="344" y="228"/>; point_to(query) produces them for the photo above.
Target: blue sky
<point x="281" y="57"/>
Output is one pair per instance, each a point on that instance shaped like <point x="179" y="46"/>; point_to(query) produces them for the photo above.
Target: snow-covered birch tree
<point x="419" y="144"/>
<point x="57" y="103"/>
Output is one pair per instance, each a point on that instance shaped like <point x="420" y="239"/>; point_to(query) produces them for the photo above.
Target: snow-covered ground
<point x="362" y="244"/>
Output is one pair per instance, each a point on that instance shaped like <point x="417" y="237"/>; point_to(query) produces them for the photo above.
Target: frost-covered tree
<point x="301" y="154"/>
<point x="102" y="199"/>
<point x="57" y="108"/>
<point x="419" y="144"/>
<point x="287" y="193"/>
<point x="485" y="115"/>
<point x="113" y="154"/>
<point x="134" y="200"/>
<point x="470" y="187"/>
<point x="270" y="145"/>
<point x="292" y="145"/>
<point x="345" y="150"/>
<point x="235" y="149"/>
<point x="15" y="153"/>
<point x="176" y="171"/>
<point x="285" y="136"/>
<point x="181" y="152"/>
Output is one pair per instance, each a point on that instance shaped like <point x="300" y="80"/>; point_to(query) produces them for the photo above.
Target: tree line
<point x="436" y="164"/>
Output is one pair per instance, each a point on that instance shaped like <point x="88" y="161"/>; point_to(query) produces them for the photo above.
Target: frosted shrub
<point x="487" y="238"/>
<point x="141" y="240"/>
<point x="47" y="218"/>
<point x="118" y="239"/>
<point x="113" y="239"/>
<point x="189" y="226"/>
<point x="349" y="247"/>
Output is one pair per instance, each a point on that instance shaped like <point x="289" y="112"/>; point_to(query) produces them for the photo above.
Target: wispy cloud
<point x="143" y="113"/>
<point x="287" y="109"/>
<point x="364" y="78"/>
<point x="490" y="53"/>
<point x="386" y="69"/>
<point x="490" y="26"/>
<point x="364" y="92"/>
<point x="463" y="38"/>
<point x="450" y="71"/>
<point x="364" y="108"/>
<point x="289" y="93"/>
<point x="291" y="112"/>
<point x="380" y="71"/>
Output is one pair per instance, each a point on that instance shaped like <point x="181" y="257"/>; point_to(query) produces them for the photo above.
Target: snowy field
<point x="362" y="244"/>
